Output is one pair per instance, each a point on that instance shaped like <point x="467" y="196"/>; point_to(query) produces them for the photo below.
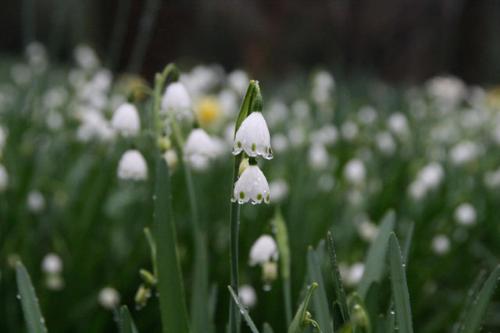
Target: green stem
<point x="287" y="295"/>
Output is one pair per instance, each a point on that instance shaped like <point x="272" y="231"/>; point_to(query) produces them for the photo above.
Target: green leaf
<point x="284" y="250"/>
<point x="267" y="328"/>
<point x="29" y="301"/>
<point x="399" y="287"/>
<point x="243" y="311"/>
<point x="200" y="315"/>
<point x="337" y="280"/>
<point x="320" y="301"/>
<point x="375" y="260"/>
<point x="251" y="102"/>
<point x="478" y="307"/>
<point x="408" y="240"/>
<point x="170" y="287"/>
<point x="127" y="324"/>
<point x="299" y="324"/>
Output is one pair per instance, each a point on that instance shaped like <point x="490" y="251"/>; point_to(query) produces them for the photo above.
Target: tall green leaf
<point x="29" y="301"/>
<point x="267" y="328"/>
<point x="243" y="311"/>
<point x="375" y="260"/>
<point x="284" y="251"/>
<point x="320" y="301"/>
<point x="170" y="287"/>
<point x="299" y="324"/>
<point x="127" y="324"/>
<point x="478" y="307"/>
<point x="399" y="287"/>
<point x="337" y="281"/>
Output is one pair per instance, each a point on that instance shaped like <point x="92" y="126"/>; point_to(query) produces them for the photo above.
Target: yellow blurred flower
<point x="208" y="111"/>
<point x="493" y="97"/>
<point x="133" y="86"/>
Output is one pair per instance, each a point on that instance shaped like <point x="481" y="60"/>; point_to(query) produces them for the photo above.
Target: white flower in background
<point x="4" y="178"/>
<point x="176" y="99"/>
<point x="94" y="126"/>
<point x="21" y="74"/>
<point x="301" y="110"/>
<point x="398" y="124"/>
<point x="251" y="186"/>
<point x="367" y="115"/>
<point x="318" y="157"/>
<point x="278" y="112"/>
<point x="37" y="56"/>
<point x="263" y="250"/>
<point x="238" y="81"/>
<point x="132" y="166"/>
<point x="352" y="275"/>
<point x="322" y="87"/>
<point x="432" y="175"/>
<point x="441" y="244"/>
<point x="253" y="137"/>
<point x="326" y="182"/>
<point x="55" y="97"/>
<point x="36" y="201"/>
<point x="447" y="90"/>
<point x="367" y="230"/>
<point x="355" y="172"/>
<point x="296" y="136"/>
<point x="465" y="214"/>
<point x="228" y="101"/>
<point x="108" y="298"/>
<point x="3" y="138"/>
<point x="385" y="143"/>
<point x="126" y="120"/>
<point x="417" y="189"/>
<point x="199" y="149"/>
<point x="54" y="120"/>
<point x="202" y="79"/>
<point x="349" y="130"/>
<point x="492" y="179"/>
<point x="171" y="158"/>
<point x="102" y="80"/>
<point x="326" y="135"/>
<point x="247" y="295"/>
<point x="85" y="57"/>
<point x="279" y="190"/>
<point x="52" y="264"/>
<point x="279" y="143"/>
<point x="464" y="152"/>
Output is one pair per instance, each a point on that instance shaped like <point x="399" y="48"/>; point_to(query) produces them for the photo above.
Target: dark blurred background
<point x="398" y="40"/>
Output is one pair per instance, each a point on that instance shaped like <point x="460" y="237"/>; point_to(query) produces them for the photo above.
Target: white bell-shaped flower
<point x="253" y="137"/>
<point x="132" y="166"/>
<point x="126" y="120"/>
<point x="263" y="250"/>
<point x="199" y="149"/>
<point x="251" y="186"/>
<point x="247" y="295"/>
<point x="52" y="264"/>
<point x="176" y="98"/>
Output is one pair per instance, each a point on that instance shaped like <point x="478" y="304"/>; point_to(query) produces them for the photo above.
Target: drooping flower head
<point x="199" y="149"/>
<point x="126" y="120"/>
<point x="251" y="186"/>
<point x="132" y="166"/>
<point x="263" y="250"/>
<point x="176" y="98"/>
<point x="253" y="137"/>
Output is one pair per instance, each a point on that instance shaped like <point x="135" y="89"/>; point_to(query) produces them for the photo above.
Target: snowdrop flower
<point x="199" y="149"/>
<point x="36" y="201"/>
<point x="385" y="143"/>
<point x="417" y="189"/>
<point x="132" y="166"/>
<point x="431" y="175"/>
<point x="440" y="244"/>
<point x="251" y="186"/>
<point x="398" y="124"/>
<point x="464" y="152"/>
<point x="176" y="99"/>
<point x="367" y="230"/>
<point x="279" y="142"/>
<point x="108" y="298"/>
<point x="263" y="250"/>
<point x="465" y="214"/>
<point x="318" y="157"/>
<point x="355" y="172"/>
<point x="247" y="295"/>
<point x="367" y="115"/>
<point x="349" y="130"/>
<point x="94" y="126"/>
<point x="52" y="264"/>
<point x="278" y="189"/>
<point x="447" y="90"/>
<point x="4" y="178"/>
<point x="126" y="120"/>
<point x="326" y="135"/>
<point x="171" y="158"/>
<point x="253" y="137"/>
<point x="354" y="274"/>
<point x="322" y="87"/>
<point x="85" y="57"/>
<point x="55" y="97"/>
<point x="238" y="81"/>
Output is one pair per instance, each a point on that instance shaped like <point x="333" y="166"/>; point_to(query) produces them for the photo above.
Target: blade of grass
<point x="127" y="324"/>
<point x="320" y="301"/>
<point x="375" y="260"/>
<point x="471" y="295"/>
<point x="170" y="287"/>
<point x="284" y="251"/>
<point x="243" y="311"/>
<point x="29" y="301"/>
<point x="299" y="324"/>
<point x="399" y="287"/>
<point x="478" y="307"/>
<point x="267" y="328"/>
<point x="408" y="241"/>
<point x="338" y="286"/>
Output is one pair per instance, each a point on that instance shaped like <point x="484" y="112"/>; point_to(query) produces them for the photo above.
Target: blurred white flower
<point x="318" y="157"/>
<point x="4" y="178"/>
<point x="279" y="143"/>
<point x="322" y="87"/>
<point x="428" y="178"/>
<point x="52" y="264"/>
<point x="326" y="182"/>
<point x="199" y="149"/>
<point x="263" y="250"/>
<point x="238" y="81"/>
<point x="253" y="137"/>
<point x="492" y="179"/>
<point x="349" y="130"/>
<point x="326" y="135"/>
<point x="367" y="230"/>
<point x="279" y="190"/>
<point x="126" y="120"/>
<point x="228" y="101"/>
<point x="398" y="124"/>
<point x="441" y="244"/>
<point x="251" y="186"/>
<point x="296" y="136"/>
<point x="352" y="275"/>
<point x="108" y="298"/>
<point x="447" y="90"/>
<point x="21" y="74"/>
<point x="367" y="115"/>
<point x="301" y="110"/>
<point x="85" y="57"/>
<point x="355" y="172"/>
<point x="417" y="189"/>
<point x="94" y="126"/>
<point x="385" y="143"/>
<point x="36" y="201"/>
<point x="54" y="97"/>
<point x="464" y="152"/>
<point x="176" y="99"/>
<point x="247" y="295"/>
<point x="37" y="56"/>
<point x="277" y="112"/>
<point x="171" y="158"/>
<point x="132" y="166"/>
<point x="3" y="138"/>
<point x="465" y="214"/>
